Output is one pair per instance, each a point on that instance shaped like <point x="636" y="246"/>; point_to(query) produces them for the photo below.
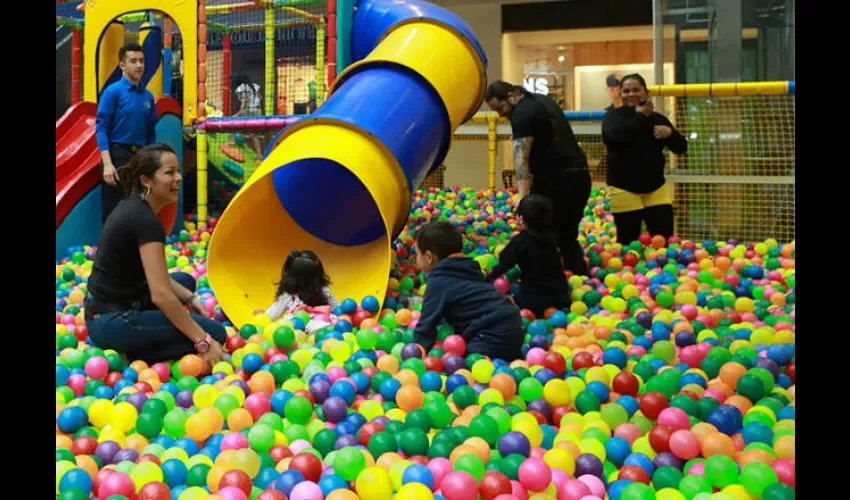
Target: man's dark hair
<point x="612" y="80"/>
<point x="536" y="211"/>
<point x="500" y="89"/>
<point x="129" y="47"/>
<point x="441" y="238"/>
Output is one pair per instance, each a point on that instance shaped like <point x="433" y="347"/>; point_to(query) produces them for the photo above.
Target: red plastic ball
<point x="234" y="342"/>
<point x="112" y="378"/>
<point x="791" y="371"/>
<point x="659" y="437"/>
<point x="634" y="473"/>
<point x="558" y="413"/>
<point x="625" y="383"/>
<point x="271" y="495"/>
<point x="155" y="491"/>
<point x="84" y="445"/>
<point x="555" y="362"/>
<point x="308" y="465"/>
<point x="367" y="431"/>
<point x="433" y="363"/>
<point x="583" y="360"/>
<point x="278" y="453"/>
<point x="494" y="484"/>
<point x="652" y="403"/>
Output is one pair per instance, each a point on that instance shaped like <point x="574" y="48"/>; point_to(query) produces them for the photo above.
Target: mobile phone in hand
<point x="644" y="101"/>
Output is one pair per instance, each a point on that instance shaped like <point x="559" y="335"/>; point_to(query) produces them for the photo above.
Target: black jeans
<point x="658" y="218"/>
<point x="569" y="192"/>
<point x="111" y="195"/>
<point x="148" y="335"/>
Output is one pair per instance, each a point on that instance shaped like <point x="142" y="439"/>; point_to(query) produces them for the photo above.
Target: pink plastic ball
<point x="117" y="483"/>
<point x="697" y="468"/>
<point x="559" y="478"/>
<point x="97" y="367"/>
<point x="597" y="487"/>
<point x="674" y="417"/>
<point x="306" y="491"/>
<point x="298" y="445"/>
<point x="518" y="491"/>
<point x="277" y="357"/>
<point x="535" y="474"/>
<point x="257" y="404"/>
<point x="573" y="490"/>
<point x="77" y="383"/>
<point x="636" y="350"/>
<point x="69" y="319"/>
<point x="439" y="467"/>
<point x="335" y="373"/>
<point x="691" y="355"/>
<point x="684" y="444"/>
<point x="629" y="432"/>
<point x="234" y="441"/>
<point x="163" y="371"/>
<point x="786" y="471"/>
<point x="715" y="394"/>
<point x="459" y="485"/>
<point x="233" y="493"/>
<point x="502" y="285"/>
<point x="535" y="356"/>
<point x="537" y="453"/>
<point x="506" y="496"/>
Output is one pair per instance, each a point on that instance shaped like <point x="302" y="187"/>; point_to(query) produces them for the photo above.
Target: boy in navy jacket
<point x="458" y="292"/>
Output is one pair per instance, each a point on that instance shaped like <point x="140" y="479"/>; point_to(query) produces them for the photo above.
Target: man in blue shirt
<point x="126" y="121"/>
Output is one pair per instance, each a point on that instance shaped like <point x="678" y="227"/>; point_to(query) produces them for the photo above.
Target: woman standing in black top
<point x="535" y="250"/>
<point x="133" y="305"/>
<point x="636" y="136"/>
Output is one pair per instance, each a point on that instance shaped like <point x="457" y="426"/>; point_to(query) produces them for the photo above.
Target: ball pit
<point x="671" y="376"/>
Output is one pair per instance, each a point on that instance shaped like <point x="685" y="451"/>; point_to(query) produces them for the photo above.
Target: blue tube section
<point x="792" y="87"/>
<point x="167" y="70"/>
<point x="169" y="129"/>
<point x="328" y="201"/>
<point x="408" y="117"/>
<point x="344" y="25"/>
<point x="400" y="109"/>
<point x="375" y="17"/>
<point x="152" y="48"/>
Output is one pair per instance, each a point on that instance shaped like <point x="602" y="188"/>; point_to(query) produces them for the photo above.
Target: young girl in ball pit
<point x="133" y="305"/>
<point x="303" y="284"/>
<point x="535" y="250"/>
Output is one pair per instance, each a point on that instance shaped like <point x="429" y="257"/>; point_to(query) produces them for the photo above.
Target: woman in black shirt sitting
<point x="133" y="305"/>
<point x="543" y="283"/>
<point x="636" y="136"/>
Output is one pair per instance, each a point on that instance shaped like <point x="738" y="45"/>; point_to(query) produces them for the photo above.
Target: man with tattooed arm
<point x="547" y="161"/>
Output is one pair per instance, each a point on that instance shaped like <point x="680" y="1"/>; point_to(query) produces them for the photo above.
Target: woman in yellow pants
<point x="635" y="136"/>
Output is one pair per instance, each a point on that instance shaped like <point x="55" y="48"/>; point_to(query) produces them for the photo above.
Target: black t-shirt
<point x="539" y="262"/>
<point x="635" y="157"/>
<point x="555" y="148"/>
<point x="118" y="275"/>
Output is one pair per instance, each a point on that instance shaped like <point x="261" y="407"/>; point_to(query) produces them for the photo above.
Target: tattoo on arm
<point x="522" y="152"/>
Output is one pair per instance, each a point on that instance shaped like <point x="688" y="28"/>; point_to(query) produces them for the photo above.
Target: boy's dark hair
<point x="441" y="238"/>
<point x="536" y="211"/>
<point x="304" y="275"/>
<point x="129" y="47"/>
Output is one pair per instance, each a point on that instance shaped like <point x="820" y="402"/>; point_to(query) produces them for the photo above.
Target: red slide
<point x="77" y="155"/>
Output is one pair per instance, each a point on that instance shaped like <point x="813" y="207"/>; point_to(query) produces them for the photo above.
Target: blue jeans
<point x="149" y="335"/>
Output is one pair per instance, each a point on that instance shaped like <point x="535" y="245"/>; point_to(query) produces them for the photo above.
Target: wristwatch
<point x="202" y="346"/>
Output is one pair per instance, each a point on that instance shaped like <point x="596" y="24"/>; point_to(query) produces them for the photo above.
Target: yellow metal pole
<point x="491" y="149"/>
<point x="202" y="177"/>
<point x="269" y="48"/>
<point x="320" y="64"/>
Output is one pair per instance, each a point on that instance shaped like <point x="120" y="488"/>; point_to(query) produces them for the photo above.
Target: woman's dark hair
<point x="536" y="211"/>
<point x="500" y="89"/>
<point x="633" y="76"/>
<point x="145" y="162"/>
<point x="303" y="275"/>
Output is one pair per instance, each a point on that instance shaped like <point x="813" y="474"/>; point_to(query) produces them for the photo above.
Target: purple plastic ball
<point x="320" y="389"/>
<point x="381" y="419"/>
<point x="514" y="442"/>
<point x="242" y="385"/>
<point x="667" y="459"/>
<point x="345" y="440"/>
<point x="184" y="399"/>
<point x="768" y="364"/>
<point x="453" y="363"/>
<point x="334" y="409"/>
<point x="540" y="405"/>
<point x="411" y="351"/>
<point x="588" y="464"/>
<point x="137" y="399"/>
<point x="125" y="454"/>
<point x="644" y="319"/>
<point x="106" y="450"/>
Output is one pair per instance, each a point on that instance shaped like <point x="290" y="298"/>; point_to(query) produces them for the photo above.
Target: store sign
<point x="536" y="85"/>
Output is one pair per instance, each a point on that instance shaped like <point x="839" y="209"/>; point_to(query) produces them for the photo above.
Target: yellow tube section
<point x="155" y="83"/>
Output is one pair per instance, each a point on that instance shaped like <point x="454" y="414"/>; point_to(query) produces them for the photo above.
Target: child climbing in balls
<point x="457" y="292"/>
<point x="303" y="283"/>
<point x="535" y="249"/>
